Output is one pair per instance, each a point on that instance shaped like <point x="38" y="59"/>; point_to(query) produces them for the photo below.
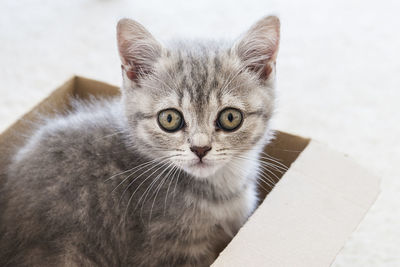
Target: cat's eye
<point x="229" y="119"/>
<point x="170" y="120"/>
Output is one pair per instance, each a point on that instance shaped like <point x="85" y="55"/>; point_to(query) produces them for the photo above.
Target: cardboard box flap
<point x="308" y="216"/>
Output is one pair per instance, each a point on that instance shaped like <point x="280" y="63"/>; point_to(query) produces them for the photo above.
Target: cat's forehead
<point x="200" y="71"/>
<point x="205" y="78"/>
<point x="200" y="63"/>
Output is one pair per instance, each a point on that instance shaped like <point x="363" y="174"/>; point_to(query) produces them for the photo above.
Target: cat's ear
<point x="138" y="49"/>
<point x="258" y="48"/>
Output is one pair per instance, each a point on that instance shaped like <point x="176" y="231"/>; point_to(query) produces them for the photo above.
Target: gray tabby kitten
<point x="163" y="176"/>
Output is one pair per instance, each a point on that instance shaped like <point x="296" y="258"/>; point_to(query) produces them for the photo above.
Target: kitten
<point x="164" y="175"/>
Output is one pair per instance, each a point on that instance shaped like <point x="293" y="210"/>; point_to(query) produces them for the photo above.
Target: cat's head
<point x="198" y="105"/>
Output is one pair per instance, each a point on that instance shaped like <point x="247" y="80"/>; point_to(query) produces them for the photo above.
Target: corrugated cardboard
<point x="304" y="221"/>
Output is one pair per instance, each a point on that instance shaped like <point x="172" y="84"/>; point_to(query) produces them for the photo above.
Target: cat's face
<point x="198" y="106"/>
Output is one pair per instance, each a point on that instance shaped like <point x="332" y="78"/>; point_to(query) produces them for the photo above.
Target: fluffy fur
<point x="106" y="186"/>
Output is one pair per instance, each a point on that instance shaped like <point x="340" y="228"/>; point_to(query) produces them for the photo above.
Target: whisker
<point x="262" y="186"/>
<point x="264" y="165"/>
<point x="265" y="156"/>
<point x="150" y="161"/>
<point x="269" y="171"/>
<point x="165" y="162"/>
<point x="141" y="167"/>
<point x="146" y="192"/>
<point x="268" y="180"/>
<point x="127" y="177"/>
<point x="157" y="164"/>
<point x="155" y="197"/>
<point x="262" y="174"/>
<point x="276" y="162"/>
<point x="272" y="165"/>
<point x="269" y="184"/>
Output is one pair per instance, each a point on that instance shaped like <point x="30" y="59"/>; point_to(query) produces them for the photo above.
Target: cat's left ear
<point x="258" y="48"/>
<point x="138" y="49"/>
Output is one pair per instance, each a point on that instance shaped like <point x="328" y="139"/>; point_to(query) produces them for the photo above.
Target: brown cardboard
<point x="304" y="221"/>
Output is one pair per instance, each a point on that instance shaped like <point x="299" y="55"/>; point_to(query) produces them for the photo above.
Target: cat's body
<point x="109" y="185"/>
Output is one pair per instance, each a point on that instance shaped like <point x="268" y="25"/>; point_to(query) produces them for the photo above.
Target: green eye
<point x="170" y="120"/>
<point x="229" y="119"/>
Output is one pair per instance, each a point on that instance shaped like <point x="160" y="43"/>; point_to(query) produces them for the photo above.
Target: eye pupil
<point x="169" y="118"/>
<point x="230" y="117"/>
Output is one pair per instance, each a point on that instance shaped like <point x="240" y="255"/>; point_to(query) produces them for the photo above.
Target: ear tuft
<point x="138" y="49"/>
<point x="258" y="48"/>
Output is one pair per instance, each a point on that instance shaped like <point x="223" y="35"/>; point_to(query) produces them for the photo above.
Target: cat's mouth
<point x="200" y="164"/>
<point x="203" y="168"/>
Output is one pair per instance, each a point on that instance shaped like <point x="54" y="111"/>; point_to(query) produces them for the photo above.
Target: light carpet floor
<point x="338" y="75"/>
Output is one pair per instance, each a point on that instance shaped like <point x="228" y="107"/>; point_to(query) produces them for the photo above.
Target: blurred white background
<point x="338" y="75"/>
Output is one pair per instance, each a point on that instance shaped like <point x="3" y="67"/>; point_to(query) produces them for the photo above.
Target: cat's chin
<point x="201" y="170"/>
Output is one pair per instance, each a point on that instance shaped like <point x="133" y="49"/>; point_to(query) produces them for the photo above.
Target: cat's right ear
<point x="258" y="48"/>
<point x="138" y="49"/>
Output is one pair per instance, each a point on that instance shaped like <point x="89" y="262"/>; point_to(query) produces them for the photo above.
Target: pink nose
<point x="200" y="151"/>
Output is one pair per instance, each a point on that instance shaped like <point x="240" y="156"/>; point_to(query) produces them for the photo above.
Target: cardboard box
<point x="304" y="221"/>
